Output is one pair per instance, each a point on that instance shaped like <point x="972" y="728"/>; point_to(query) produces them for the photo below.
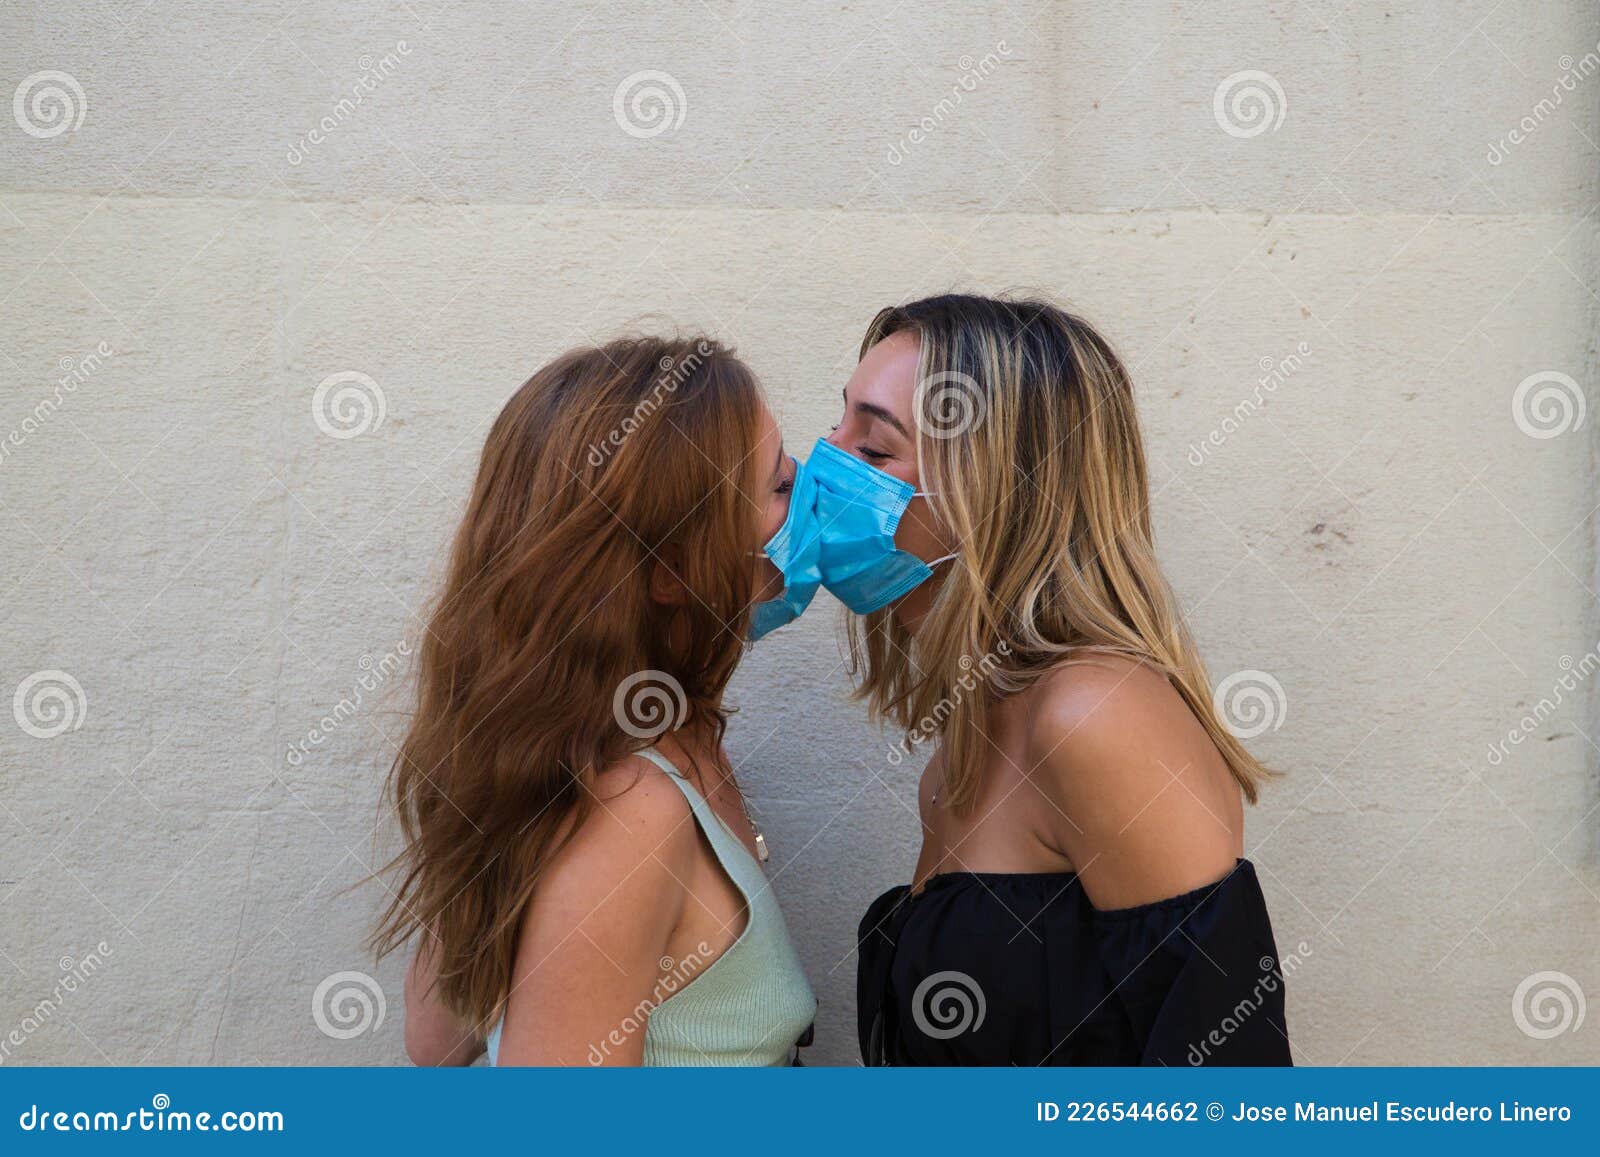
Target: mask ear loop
<point x="941" y="558"/>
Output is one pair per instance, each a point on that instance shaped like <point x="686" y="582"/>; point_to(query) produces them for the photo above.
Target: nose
<point x="836" y="438"/>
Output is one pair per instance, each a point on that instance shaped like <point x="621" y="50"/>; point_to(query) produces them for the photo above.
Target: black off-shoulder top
<point x="991" y="968"/>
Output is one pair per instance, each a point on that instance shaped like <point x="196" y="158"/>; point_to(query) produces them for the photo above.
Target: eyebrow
<point x="878" y="413"/>
<point x="777" y="467"/>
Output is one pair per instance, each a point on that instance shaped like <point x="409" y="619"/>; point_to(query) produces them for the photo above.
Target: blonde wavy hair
<point x="1028" y="440"/>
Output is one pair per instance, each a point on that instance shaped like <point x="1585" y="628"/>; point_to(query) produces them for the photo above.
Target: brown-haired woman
<point x="579" y="862"/>
<point x="1081" y="896"/>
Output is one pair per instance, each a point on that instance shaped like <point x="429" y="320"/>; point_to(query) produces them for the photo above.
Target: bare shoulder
<point x="600" y="917"/>
<point x="637" y="841"/>
<point x="1098" y="704"/>
<point x="638" y="799"/>
<point x="1147" y="805"/>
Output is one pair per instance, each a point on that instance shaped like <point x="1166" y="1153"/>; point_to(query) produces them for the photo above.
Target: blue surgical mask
<point x="858" y="509"/>
<point x="794" y="550"/>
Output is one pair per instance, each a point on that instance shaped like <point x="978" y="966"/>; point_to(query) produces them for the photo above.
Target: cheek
<point x="906" y="472"/>
<point x="919" y="531"/>
<point x="777" y="511"/>
<point x="769" y="580"/>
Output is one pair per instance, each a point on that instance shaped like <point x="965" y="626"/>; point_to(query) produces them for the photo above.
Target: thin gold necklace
<point x="762" y="854"/>
<point x="761" y="841"/>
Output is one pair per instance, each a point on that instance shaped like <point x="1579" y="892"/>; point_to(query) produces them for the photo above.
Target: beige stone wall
<point x="1384" y="535"/>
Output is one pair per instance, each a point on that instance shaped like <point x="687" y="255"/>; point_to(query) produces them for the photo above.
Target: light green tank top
<point x="746" y="1007"/>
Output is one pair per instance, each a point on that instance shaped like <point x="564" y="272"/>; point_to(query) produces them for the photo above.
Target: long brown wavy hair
<point x="1028" y="440"/>
<point x="546" y="660"/>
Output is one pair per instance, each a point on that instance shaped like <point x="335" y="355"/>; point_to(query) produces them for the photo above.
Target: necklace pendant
<point x="761" y="848"/>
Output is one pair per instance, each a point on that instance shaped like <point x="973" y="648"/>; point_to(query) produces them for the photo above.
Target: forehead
<point x="769" y="441"/>
<point x="888" y="373"/>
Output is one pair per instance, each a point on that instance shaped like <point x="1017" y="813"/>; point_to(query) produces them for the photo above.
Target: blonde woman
<point x="1080" y="897"/>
